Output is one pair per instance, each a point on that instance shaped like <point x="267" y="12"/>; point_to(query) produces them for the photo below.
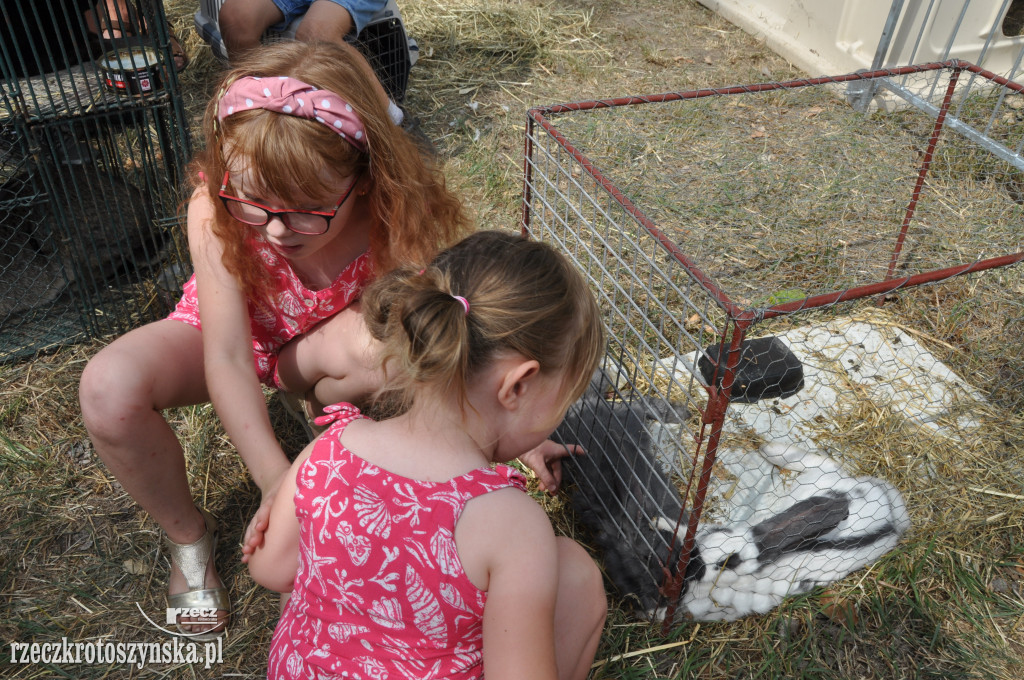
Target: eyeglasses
<point x="309" y="222"/>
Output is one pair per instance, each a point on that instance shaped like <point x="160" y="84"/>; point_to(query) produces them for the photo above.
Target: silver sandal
<point x="192" y="560"/>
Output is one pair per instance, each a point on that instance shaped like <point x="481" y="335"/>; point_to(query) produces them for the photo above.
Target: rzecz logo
<point x="197" y="614"/>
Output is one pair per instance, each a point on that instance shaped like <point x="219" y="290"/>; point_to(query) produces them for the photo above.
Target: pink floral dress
<point x="380" y="591"/>
<point x="295" y="309"/>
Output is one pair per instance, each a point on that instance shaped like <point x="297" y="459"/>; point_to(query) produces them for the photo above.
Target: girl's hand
<point x="546" y="462"/>
<point x="271" y="543"/>
<point x="255" y="532"/>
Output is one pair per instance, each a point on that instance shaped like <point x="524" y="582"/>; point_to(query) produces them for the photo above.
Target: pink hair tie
<point x="464" y="301"/>
<point x="292" y="97"/>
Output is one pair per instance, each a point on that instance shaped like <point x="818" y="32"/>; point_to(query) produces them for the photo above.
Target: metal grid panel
<point x="90" y="238"/>
<point x="387" y="47"/>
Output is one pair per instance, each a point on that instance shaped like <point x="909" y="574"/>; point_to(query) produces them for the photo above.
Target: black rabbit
<point x="618" y="486"/>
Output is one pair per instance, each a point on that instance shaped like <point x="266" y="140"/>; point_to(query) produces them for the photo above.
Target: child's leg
<point x="580" y="610"/>
<point x="122" y="391"/>
<point x="335" y="361"/>
<point x="242" y="22"/>
<point x="325" y="20"/>
<point x="113" y="19"/>
<point x="330" y="21"/>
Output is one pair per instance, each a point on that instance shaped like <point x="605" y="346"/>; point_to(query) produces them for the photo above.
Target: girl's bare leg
<point x="335" y="361"/>
<point x="325" y="21"/>
<point x="580" y="610"/>
<point x="123" y="390"/>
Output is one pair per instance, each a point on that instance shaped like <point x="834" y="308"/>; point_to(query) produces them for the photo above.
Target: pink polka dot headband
<point x="292" y="97"/>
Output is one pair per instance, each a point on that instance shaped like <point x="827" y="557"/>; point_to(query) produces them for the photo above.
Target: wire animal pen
<point x="93" y="143"/>
<point x="800" y="301"/>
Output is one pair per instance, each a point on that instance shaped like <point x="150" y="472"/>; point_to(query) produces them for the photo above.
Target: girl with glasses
<point x="306" y="190"/>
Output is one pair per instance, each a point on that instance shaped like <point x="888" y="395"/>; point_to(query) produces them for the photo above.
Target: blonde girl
<point x="410" y="550"/>
<point x="306" y="190"/>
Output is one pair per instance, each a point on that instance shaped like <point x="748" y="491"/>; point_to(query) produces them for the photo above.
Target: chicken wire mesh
<point x="778" y="370"/>
<point x="89" y="173"/>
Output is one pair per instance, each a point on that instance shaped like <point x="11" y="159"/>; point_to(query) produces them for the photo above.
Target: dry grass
<point x="77" y="555"/>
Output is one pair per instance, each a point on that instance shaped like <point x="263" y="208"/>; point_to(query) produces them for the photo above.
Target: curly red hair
<point x="413" y="214"/>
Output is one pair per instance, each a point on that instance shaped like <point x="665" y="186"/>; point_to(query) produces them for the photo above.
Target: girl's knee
<point x="97" y="379"/>
<point x="580" y="579"/>
<point x="113" y="390"/>
<point x="99" y="391"/>
<point x="144" y="371"/>
<point x="240" y="26"/>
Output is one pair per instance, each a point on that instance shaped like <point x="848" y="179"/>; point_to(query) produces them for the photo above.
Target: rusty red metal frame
<point x="742" y="317"/>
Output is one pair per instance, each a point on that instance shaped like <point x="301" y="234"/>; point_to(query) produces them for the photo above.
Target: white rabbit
<point x="829" y="525"/>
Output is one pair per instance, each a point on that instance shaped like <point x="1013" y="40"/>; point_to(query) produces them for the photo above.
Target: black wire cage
<point x="384" y="41"/>
<point x="93" y="145"/>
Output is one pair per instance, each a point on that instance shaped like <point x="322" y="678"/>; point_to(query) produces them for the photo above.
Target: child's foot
<point x="195" y="584"/>
<point x="181" y="58"/>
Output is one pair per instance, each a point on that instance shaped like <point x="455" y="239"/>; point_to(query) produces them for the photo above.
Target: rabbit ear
<point x="799" y="525"/>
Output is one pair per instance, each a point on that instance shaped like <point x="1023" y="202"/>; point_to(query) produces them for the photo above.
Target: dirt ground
<point x="80" y="560"/>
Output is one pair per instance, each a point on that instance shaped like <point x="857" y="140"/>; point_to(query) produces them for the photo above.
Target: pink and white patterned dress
<point x="380" y="591"/>
<point x="294" y="310"/>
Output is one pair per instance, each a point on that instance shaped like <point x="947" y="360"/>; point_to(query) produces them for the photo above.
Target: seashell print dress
<point x="380" y="591"/>
<point x="295" y="308"/>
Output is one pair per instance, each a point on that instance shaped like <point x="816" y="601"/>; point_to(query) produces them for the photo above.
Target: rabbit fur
<point x="829" y="525"/>
<point x="617" y="487"/>
<point x="825" y="526"/>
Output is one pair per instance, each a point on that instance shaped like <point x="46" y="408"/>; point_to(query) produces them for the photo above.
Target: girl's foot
<point x="181" y="58"/>
<point x="195" y="585"/>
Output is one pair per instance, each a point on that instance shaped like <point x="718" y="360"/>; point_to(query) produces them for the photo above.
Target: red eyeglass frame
<point x="282" y="214"/>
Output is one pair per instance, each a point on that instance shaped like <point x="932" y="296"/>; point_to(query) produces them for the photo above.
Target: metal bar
<point x="862" y="100"/>
<point x="926" y="163"/>
<point x="543" y="111"/>
<point x="714" y="416"/>
<point x="885" y="40"/>
<point x="980" y="58"/>
<point x="955" y="124"/>
<point x="527" y="175"/>
<point x="882" y="287"/>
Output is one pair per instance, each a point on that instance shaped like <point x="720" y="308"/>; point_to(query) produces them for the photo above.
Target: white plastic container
<point x="832" y="37"/>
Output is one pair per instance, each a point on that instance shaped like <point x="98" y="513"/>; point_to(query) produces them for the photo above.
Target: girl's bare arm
<point x="234" y="388"/>
<point x="275" y="563"/>
<point x="522" y="574"/>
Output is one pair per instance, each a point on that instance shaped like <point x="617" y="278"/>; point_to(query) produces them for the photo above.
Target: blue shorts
<point x="361" y="11"/>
